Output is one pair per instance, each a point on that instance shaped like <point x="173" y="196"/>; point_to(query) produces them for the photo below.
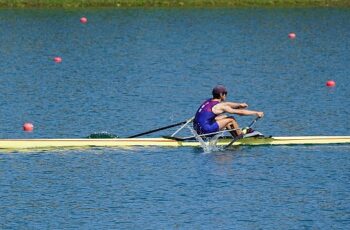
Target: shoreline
<point x="170" y="3"/>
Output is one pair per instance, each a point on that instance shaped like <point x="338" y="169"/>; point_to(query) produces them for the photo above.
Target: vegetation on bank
<point x="171" y="3"/>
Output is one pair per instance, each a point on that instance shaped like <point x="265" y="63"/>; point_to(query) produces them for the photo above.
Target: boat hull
<point x="18" y="144"/>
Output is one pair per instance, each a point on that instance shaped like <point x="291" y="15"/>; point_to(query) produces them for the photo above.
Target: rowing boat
<point x="19" y="144"/>
<point x="170" y="141"/>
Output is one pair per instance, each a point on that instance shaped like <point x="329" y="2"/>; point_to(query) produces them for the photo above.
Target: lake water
<point x="128" y="71"/>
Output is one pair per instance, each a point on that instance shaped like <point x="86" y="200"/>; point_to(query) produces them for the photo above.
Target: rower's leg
<point x="229" y="123"/>
<point x="234" y="125"/>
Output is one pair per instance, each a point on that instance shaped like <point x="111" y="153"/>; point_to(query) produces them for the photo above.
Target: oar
<point x="159" y="129"/>
<point x="240" y="137"/>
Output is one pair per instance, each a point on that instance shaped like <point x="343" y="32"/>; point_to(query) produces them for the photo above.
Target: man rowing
<point x="211" y="117"/>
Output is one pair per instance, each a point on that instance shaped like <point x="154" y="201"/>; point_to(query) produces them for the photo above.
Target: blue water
<point x="128" y="71"/>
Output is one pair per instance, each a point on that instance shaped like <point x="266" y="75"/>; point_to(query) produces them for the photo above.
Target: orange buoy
<point x="292" y="35"/>
<point x="330" y="83"/>
<point x="83" y="20"/>
<point x="28" y="127"/>
<point x="57" y="59"/>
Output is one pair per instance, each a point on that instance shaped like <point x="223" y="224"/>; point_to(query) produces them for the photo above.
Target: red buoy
<point x="330" y="83"/>
<point x="292" y="35"/>
<point x="57" y="59"/>
<point x="28" y="127"/>
<point x="83" y="20"/>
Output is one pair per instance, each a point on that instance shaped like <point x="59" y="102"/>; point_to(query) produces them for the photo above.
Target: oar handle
<point x="253" y="122"/>
<point x="240" y="137"/>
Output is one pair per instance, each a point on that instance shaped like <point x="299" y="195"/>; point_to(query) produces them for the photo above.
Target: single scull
<point x="170" y="141"/>
<point x="18" y="144"/>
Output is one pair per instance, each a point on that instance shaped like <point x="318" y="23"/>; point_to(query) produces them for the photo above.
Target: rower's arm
<point x="234" y="105"/>
<point x="228" y="107"/>
<point x="246" y="112"/>
<point x="242" y="112"/>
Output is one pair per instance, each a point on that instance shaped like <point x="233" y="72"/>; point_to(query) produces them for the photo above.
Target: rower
<point x="210" y="116"/>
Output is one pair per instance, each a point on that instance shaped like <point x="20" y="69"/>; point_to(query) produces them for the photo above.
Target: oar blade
<point x="102" y="135"/>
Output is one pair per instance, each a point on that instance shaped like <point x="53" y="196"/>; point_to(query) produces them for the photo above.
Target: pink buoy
<point x="330" y="83"/>
<point x="57" y="59"/>
<point x="83" y="20"/>
<point x="292" y="35"/>
<point x="28" y="127"/>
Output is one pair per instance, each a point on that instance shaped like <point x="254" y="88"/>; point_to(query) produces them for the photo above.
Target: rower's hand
<point x="260" y="114"/>
<point x="243" y="105"/>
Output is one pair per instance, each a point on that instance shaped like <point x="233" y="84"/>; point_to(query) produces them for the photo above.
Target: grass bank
<point x="171" y="3"/>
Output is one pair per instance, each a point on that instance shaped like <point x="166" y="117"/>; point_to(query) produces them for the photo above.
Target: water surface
<point x="127" y="71"/>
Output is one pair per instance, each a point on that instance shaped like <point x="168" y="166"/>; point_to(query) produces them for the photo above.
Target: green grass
<point x="170" y="3"/>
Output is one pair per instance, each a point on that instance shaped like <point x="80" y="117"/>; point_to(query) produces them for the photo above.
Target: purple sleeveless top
<point x="204" y="121"/>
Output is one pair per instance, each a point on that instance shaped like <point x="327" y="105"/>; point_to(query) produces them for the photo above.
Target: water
<point x="128" y="71"/>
